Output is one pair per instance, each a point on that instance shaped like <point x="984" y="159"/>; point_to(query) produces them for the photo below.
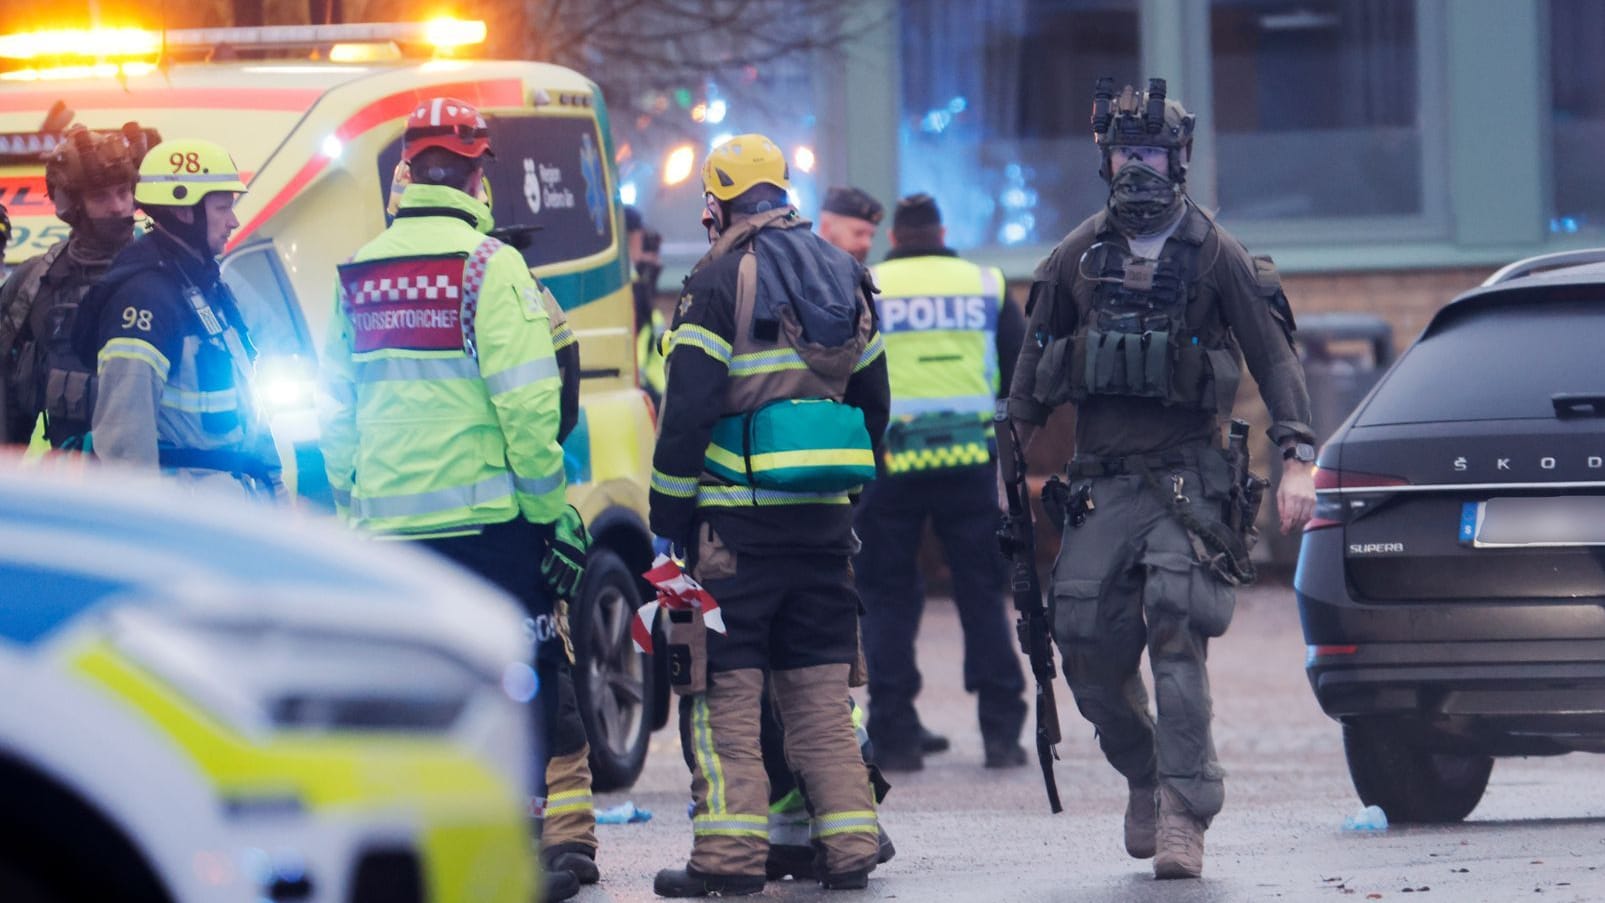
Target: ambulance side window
<point x="267" y="302"/>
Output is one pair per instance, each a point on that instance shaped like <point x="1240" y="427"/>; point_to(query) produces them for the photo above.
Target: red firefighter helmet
<point x="449" y="124"/>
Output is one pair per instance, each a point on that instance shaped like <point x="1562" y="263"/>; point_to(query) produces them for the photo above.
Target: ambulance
<point x="313" y="116"/>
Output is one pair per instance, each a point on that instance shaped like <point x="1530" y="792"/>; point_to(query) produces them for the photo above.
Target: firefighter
<point x="775" y="401"/>
<point x="951" y="339"/>
<point x="441" y="412"/>
<point x="173" y="356"/>
<point x="90" y="177"/>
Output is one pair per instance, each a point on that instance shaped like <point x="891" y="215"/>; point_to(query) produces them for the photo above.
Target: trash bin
<point x="1344" y="354"/>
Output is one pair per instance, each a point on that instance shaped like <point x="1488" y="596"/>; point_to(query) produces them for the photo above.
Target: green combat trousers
<point x="1128" y="579"/>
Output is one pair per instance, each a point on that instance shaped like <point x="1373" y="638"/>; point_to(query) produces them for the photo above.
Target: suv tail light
<point x="1336" y="494"/>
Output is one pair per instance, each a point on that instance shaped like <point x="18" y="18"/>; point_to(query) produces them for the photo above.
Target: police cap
<point x="846" y="200"/>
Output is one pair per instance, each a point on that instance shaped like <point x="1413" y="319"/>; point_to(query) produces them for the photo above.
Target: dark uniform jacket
<point x="165" y="388"/>
<point x="1236" y="301"/>
<point x="797" y="268"/>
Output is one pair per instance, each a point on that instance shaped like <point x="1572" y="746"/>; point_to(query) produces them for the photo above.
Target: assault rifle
<point x="1017" y="536"/>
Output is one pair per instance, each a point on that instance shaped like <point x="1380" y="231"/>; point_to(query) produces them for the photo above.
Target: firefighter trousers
<point x="792" y="617"/>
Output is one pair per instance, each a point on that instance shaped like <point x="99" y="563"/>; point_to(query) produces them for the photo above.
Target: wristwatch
<point x="1302" y="452"/>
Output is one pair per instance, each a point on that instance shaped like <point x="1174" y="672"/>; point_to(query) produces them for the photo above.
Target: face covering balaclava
<point x="98" y="238"/>
<point x="1143" y="200"/>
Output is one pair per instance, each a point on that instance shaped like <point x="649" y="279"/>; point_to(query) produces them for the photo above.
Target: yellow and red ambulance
<point x="313" y="116"/>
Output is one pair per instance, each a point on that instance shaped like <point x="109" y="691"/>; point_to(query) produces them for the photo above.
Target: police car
<point x="207" y="701"/>
<point x="314" y="120"/>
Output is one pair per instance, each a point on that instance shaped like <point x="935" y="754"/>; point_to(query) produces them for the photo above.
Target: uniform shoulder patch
<point x="684" y="306"/>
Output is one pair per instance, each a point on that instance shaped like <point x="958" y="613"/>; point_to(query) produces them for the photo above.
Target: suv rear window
<point x="549" y="171"/>
<point x="1502" y="362"/>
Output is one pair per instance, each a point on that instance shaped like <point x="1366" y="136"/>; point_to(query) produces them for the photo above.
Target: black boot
<point x="575" y="858"/>
<point x="558" y="886"/>
<point x="932" y="742"/>
<point x="887" y="851"/>
<point x="688" y="882"/>
<point x="789" y="861"/>
<point x="857" y="879"/>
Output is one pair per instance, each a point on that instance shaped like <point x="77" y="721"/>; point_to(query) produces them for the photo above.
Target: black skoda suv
<point x="1452" y="581"/>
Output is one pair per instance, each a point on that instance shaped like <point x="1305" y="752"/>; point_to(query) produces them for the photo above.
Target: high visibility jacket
<point x="440" y="407"/>
<point x="939" y="316"/>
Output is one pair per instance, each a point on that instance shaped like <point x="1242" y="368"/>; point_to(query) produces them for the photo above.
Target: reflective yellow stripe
<point x="678" y="487"/>
<point x="814" y="457"/>
<point x="932" y="458"/>
<point x="219" y="402"/>
<point x="875" y="348"/>
<point x="707" y="759"/>
<point x="562" y="337"/>
<point x="861" y="821"/>
<point x="743" y="496"/>
<point x="122" y="348"/>
<point x="698" y="337"/>
<point x="729" y="824"/>
<point x="772" y="361"/>
<point x="568" y="801"/>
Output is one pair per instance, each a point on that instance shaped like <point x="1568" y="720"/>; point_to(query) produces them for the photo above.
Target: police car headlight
<point x="260" y="675"/>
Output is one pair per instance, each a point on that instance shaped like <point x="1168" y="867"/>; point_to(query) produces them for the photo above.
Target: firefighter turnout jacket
<point x="440" y="402"/>
<point x="174" y="361"/>
<point x="777" y="395"/>
<point x="951" y="341"/>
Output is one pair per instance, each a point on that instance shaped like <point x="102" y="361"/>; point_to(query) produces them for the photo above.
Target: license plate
<point x="1508" y="523"/>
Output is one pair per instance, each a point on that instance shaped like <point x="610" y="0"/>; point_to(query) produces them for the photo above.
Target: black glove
<point x="564" y="562"/>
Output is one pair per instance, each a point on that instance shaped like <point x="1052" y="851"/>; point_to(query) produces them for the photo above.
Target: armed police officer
<point x="1141" y="318"/>
<point x="775" y="402"/>
<point x="951" y="341"/>
<point x="441" y="413"/>
<point x="173" y="357"/>
<point x="90" y="178"/>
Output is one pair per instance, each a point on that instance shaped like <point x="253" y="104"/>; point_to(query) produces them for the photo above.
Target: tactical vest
<point x="939" y="317"/>
<point x="785" y="436"/>
<point x="1137" y="340"/>
<point x="48" y="378"/>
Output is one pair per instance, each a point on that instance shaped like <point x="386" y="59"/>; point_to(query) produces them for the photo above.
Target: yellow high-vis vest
<point x="939" y="318"/>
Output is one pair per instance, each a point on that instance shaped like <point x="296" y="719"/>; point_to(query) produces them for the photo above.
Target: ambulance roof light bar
<point x="442" y="34"/>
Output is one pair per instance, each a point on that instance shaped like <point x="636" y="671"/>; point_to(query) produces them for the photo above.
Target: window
<point x="1316" y="108"/>
<point x="1537" y="348"/>
<point x="267" y="302"/>
<point x="997" y="96"/>
<point x="1577" y="105"/>
<point x="661" y="151"/>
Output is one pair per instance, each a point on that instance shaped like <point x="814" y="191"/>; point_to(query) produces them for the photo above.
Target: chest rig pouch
<point x="1136" y="340"/>
<point x="49" y="377"/>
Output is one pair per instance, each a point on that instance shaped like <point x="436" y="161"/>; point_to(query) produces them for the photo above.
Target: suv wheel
<point x="612" y="681"/>
<point x="1412" y="784"/>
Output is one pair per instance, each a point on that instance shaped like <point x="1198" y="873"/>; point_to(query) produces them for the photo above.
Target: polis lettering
<point x="949" y="313"/>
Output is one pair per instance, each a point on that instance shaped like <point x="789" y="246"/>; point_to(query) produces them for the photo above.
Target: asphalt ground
<point x="965" y="833"/>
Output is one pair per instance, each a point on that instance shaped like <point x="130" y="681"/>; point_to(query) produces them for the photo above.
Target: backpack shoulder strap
<point x="28" y="277"/>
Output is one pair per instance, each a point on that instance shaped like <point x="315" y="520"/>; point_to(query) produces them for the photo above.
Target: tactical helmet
<point x="84" y="161"/>
<point x="743" y="162"/>
<point x="179" y="173"/>
<point x="1142" y="119"/>
<point x="449" y="124"/>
